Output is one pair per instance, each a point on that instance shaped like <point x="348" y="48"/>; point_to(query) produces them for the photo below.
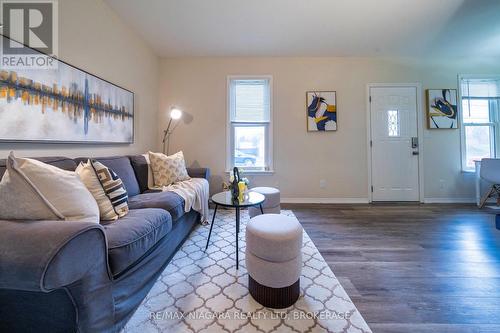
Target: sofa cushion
<point x="122" y="167"/>
<point x="134" y="235"/>
<point x="142" y="170"/>
<point x="58" y="161"/>
<point x="169" y="201"/>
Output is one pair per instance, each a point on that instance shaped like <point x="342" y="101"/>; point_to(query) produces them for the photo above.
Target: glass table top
<point x="250" y="199"/>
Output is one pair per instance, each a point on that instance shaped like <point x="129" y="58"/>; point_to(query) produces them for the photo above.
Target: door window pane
<point x="393" y="123"/>
<point x="475" y="110"/>
<point x="249" y="146"/>
<point x="477" y="144"/>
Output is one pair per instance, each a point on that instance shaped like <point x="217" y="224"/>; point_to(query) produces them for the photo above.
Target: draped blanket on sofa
<point x="195" y="192"/>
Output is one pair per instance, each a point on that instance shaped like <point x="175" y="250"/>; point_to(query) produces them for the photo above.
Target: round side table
<point x="225" y="199"/>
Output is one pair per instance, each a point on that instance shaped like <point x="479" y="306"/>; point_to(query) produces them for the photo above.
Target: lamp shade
<point x="175" y="113"/>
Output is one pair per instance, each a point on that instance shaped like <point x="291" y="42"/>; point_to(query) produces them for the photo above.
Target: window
<point x="250" y="123"/>
<point x="480" y="119"/>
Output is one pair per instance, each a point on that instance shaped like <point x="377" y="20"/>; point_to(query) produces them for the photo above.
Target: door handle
<point x="415" y="153"/>
<point x="414" y="142"/>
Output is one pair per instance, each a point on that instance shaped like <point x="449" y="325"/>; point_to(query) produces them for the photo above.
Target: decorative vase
<point x="241" y="188"/>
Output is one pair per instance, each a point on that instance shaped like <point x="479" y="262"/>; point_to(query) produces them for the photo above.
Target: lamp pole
<point x="175" y="114"/>
<point x="166" y="135"/>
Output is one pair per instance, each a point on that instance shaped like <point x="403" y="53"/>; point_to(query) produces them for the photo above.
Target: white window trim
<point x="461" y="117"/>
<point x="229" y="134"/>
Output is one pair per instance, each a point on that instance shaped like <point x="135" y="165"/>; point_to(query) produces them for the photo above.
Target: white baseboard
<point x="325" y="200"/>
<point x="449" y="200"/>
<point x="365" y="200"/>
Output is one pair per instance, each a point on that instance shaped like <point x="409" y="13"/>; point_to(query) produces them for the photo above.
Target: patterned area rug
<point x="202" y="291"/>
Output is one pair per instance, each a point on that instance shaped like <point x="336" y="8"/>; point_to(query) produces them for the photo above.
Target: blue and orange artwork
<point x="442" y="105"/>
<point x="321" y="111"/>
<point x="64" y="104"/>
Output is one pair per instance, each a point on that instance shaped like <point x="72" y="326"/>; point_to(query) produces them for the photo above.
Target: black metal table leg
<point x="211" y="226"/>
<point x="261" y="210"/>
<point x="237" y="234"/>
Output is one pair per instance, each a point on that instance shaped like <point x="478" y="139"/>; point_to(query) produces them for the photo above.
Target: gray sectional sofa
<point x="60" y="276"/>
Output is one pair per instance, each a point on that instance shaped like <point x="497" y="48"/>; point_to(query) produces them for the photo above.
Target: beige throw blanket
<point x="195" y="192"/>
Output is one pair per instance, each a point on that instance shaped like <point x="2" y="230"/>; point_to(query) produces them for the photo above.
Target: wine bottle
<point x="236" y="180"/>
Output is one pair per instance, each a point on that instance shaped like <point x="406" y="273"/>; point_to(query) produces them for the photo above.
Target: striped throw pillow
<point x="89" y="178"/>
<point x="113" y="187"/>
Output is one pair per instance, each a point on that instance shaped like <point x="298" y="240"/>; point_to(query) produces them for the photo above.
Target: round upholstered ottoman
<point x="274" y="259"/>
<point x="272" y="203"/>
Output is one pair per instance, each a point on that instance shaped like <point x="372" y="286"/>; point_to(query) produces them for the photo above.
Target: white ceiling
<point x="315" y="27"/>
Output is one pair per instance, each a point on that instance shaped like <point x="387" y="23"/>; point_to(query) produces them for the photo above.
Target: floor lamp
<point x="175" y="114"/>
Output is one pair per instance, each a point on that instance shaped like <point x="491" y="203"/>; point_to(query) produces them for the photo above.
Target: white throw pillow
<point x="168" y="169"/>
<point x="107" y="189"/>
<point x="33" y="190"/>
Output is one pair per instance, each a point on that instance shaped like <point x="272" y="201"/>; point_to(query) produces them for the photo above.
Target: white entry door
<point x="394" y="143"/>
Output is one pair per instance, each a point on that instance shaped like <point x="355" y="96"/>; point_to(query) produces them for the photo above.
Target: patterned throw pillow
<point x="107" y="189"/>
<point x="113" y="187"/>
<point x="168" y="169"/>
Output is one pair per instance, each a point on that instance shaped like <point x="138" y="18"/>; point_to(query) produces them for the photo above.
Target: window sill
<point x="254" y="172"/>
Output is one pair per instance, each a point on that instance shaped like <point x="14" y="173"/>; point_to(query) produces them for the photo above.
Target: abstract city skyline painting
<point x="65" y="104"/>
<point x="442" y="108"/>
<point x="321" y="111"/>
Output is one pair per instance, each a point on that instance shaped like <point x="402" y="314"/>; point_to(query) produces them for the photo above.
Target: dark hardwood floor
<point x="412" y="268"/>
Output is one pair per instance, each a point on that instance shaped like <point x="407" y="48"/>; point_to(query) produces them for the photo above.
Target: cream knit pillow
<point x="168" y="169"/>
<point x="33" y="190"/>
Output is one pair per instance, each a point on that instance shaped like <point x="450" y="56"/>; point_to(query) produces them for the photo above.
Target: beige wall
<point x="93" y="38"/>
<point x="198" y="85"/>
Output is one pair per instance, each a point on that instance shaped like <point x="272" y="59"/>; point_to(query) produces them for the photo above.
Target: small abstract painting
<point x="321" y="111"/>
<point x="65" y="104"/>
<point x="442" y="108"/>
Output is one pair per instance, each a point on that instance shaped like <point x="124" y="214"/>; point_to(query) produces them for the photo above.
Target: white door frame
<point x="420" y="133"/>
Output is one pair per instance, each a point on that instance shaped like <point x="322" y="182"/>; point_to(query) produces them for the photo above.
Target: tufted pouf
<point x="272" y="203"/>
<point x="273" y="259"/>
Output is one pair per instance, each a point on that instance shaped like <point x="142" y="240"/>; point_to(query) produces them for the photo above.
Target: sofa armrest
<point x="199" y="173"/>
<point x="46" y="255"/>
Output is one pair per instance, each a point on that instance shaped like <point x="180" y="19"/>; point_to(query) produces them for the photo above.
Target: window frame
<point x="494" y="122"/>
<point x="230" y="126"/>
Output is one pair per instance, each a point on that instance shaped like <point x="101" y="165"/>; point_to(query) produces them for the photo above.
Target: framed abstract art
<point x="442" y="111"/>
<point x="65" y="104"/>
<point x="321" y="108"/>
